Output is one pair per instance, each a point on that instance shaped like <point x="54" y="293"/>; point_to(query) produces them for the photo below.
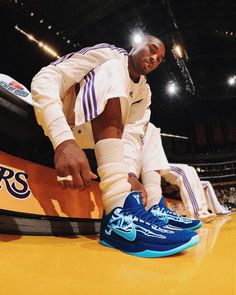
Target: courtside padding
<point x="31" y="202"/>
<point x="31" y="224"/>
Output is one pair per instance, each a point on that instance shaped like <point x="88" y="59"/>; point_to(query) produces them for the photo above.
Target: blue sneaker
<point x="162" y="212"/>
<point x="135" y="231"/>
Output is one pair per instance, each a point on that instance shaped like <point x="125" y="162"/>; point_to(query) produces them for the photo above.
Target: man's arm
<point x="50" y="85"/>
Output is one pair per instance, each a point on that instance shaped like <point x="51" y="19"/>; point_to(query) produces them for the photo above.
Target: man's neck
<point x="132" y="73"/>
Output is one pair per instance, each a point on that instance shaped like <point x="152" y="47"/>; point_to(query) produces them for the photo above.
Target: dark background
<point x="205" y="29"/>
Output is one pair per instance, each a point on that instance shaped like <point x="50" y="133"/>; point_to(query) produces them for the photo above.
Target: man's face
<point x="147" y="56"/>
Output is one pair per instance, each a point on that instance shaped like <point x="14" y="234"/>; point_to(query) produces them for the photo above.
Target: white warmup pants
<point x="212" y="201"/>
<point x="151" y="157"/>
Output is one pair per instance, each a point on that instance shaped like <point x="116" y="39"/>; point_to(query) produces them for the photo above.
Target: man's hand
<point x="136" y="185"/>
<point x="70" y="159"/>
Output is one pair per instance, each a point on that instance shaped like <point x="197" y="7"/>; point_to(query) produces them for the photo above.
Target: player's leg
<point x="153" y="160"/>
<point x="132" y="150"/>
<point x="191" y="190"/>
<point x="203" y="212"/>
<point x="176" y="176"/>
<point x="126" y="223"/>
<point x="213" y="203"/>
<point x="113" y="172"/>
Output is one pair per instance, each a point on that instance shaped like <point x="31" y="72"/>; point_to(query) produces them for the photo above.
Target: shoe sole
<point x="189" y="228"/>
<point x="155" y="254"/>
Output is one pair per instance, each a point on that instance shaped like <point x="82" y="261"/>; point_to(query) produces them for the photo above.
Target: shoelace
<point x="166" y="211"/>
<point x="169" y="211"/>
<point x="147" y="217"/>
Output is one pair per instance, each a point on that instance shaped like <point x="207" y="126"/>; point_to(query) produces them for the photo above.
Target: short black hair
<point x="150" y="38"/>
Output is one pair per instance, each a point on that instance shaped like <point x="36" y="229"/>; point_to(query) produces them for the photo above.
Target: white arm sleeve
<point x="132" y="137"/>
<point x="47" y="88"/>
<point x="132" y="151"/>
<point x="50" y="85"/>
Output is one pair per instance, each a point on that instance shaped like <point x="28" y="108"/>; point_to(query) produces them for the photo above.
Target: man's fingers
<point x="144" y="198"/>
<point x="78" y="180"/>
<point x="70" y="179"/>
<point x="83" y="178"/>
<point x="87" y="175"/>
<point x="93" y="175"/>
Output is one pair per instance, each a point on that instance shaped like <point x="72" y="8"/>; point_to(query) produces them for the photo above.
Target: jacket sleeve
<point x="50" y="85"/>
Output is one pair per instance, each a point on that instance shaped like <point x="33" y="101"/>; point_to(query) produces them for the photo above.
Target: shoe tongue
<point x="133" y="200"/>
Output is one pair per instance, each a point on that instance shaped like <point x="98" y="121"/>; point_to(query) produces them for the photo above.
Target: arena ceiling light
<point x="174" y="136"/>
<point x="198" y="169"/>
<point x="232" y="81"/>
<point x="172" y="88"/>
<point x="42" y="45"/>
<point x="137" y="37"/>
<point x="178" y="51"/>
<point x="42" y="21"/>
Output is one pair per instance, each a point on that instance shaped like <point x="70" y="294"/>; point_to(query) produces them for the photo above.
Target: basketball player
<point x="77" y="112"/>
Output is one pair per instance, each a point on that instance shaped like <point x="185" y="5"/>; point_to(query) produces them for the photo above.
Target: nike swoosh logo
<point x="128" y="235"/>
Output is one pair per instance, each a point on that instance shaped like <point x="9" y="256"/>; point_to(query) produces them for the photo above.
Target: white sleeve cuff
<point x="59" y="131"/>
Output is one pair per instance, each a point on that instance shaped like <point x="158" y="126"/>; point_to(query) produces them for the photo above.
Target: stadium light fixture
<point x="172" y="88"/>
<point x="232" y="81"/>
<point x="137" y="38"/>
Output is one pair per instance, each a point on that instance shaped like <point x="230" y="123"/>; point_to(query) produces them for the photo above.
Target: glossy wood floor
<point x="57" y="265"/>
